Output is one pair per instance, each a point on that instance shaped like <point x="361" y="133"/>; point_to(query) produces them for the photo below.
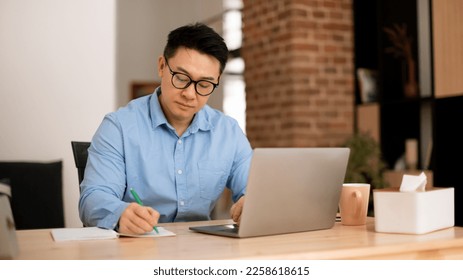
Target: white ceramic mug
<point x="353" y="204"/>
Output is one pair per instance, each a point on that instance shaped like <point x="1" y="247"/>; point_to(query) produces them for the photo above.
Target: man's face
<point x="180" y="105"/>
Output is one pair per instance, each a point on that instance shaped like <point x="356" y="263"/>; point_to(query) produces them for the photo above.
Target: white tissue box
<point x="413" y="212"/>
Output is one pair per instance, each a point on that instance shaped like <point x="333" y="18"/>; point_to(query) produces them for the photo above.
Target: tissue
<point x="413" y="183"/>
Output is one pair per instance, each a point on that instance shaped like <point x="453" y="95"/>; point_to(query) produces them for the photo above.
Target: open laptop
<point x="289" y="190"/>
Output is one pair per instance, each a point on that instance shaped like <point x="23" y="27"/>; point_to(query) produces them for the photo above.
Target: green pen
<point x="138" y="200"/>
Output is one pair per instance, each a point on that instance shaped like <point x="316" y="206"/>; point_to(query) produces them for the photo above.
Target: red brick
<point x="299" y="72"/>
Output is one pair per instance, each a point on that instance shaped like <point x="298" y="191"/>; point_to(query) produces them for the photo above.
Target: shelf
<point x="434" y="116"/>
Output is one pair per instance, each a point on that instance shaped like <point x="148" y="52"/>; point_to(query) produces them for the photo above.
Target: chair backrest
<point x="36" y="193"/>
<point x="79" y="149"/>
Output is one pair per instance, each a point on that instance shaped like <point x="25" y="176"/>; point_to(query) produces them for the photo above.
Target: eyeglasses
<point x="182" y="81"/>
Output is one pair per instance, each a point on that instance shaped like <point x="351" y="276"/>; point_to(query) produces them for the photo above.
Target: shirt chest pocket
<point x="212" y="178"/>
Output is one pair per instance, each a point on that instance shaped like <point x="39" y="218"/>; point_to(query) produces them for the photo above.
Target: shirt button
<point x="182" y="203"/>
<point x="179" y="141"/>
<point x="179" y="172"/>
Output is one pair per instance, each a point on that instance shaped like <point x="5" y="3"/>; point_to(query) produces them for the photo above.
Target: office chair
<point x="79" y="149"/>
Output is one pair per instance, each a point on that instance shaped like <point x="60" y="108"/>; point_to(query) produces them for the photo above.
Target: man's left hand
<point x="236" y="209"/>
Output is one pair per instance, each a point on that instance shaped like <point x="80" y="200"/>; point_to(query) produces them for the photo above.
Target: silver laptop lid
<point x="293" y="190"/>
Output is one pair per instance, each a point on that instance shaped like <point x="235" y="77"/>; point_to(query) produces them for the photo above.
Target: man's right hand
<point x="137" y="219"/>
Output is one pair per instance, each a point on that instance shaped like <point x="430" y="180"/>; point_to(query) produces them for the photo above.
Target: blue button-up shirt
<point x="180" y="177"/>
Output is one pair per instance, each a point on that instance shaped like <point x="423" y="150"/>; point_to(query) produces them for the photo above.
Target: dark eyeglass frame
<point x="173" y="73"/>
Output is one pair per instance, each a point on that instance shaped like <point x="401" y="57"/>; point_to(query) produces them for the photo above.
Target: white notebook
<point x="95" y="233"/>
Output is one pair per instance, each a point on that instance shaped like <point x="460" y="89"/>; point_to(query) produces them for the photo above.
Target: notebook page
<point x="85" y="233"/>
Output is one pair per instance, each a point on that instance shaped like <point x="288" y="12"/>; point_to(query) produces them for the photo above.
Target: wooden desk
<point x="340" y="242"/>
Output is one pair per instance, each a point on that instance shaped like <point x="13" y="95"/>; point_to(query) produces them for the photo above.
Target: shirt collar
<point x="157" y="115"/>
<point x="200" y="120"/>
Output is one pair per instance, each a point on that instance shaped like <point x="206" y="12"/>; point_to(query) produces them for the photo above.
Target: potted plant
<point x="365" y="163"/>
<point x="402" y="47"/>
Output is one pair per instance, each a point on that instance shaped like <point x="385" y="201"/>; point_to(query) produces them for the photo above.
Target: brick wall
<point x="299" y="72"/>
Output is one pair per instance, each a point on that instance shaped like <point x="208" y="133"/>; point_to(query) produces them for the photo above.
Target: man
<point x="175" y="151"/>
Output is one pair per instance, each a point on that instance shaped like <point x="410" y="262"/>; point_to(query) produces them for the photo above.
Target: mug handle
<point x="357" y="195"/>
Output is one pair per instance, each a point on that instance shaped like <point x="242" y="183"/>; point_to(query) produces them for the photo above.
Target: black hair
<point x="198" y="37"/>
